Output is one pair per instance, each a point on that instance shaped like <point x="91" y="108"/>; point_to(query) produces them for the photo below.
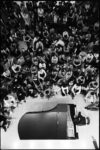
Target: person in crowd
<point x="76" y="89"/>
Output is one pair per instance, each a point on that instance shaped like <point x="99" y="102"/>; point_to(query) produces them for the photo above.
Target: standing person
<point x="34" y="5"/>
<point x="40" y="12"/>
<point x="26" y="17"/>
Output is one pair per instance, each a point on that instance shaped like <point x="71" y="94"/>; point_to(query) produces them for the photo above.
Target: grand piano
<point x="53" y="124"/>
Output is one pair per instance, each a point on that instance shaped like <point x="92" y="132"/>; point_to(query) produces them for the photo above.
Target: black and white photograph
<point x="49" y="74"/>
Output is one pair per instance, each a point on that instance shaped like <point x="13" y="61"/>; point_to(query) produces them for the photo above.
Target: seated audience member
<point x="64" y="90"/>
<point x="76" y="89"/>
<point x="90" y="97"/>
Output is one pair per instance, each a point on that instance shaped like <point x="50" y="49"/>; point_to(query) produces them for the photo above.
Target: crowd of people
<point x="47" y="43"/>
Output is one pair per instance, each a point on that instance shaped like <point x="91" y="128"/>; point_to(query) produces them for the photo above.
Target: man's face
<point x="35" y="61"/>
<point x="54" y="59"/>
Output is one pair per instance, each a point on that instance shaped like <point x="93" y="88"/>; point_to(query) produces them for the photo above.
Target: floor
<point x="10" y="139"/>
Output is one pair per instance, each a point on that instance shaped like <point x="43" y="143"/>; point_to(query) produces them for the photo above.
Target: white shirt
<point x="41" y="72"/>
<point x="65" y="90"/>
<point x="60" y="42"/>
<point x="55" y="18"/>
<point x="26" y="18"/>
<point x="76" y="89"/>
